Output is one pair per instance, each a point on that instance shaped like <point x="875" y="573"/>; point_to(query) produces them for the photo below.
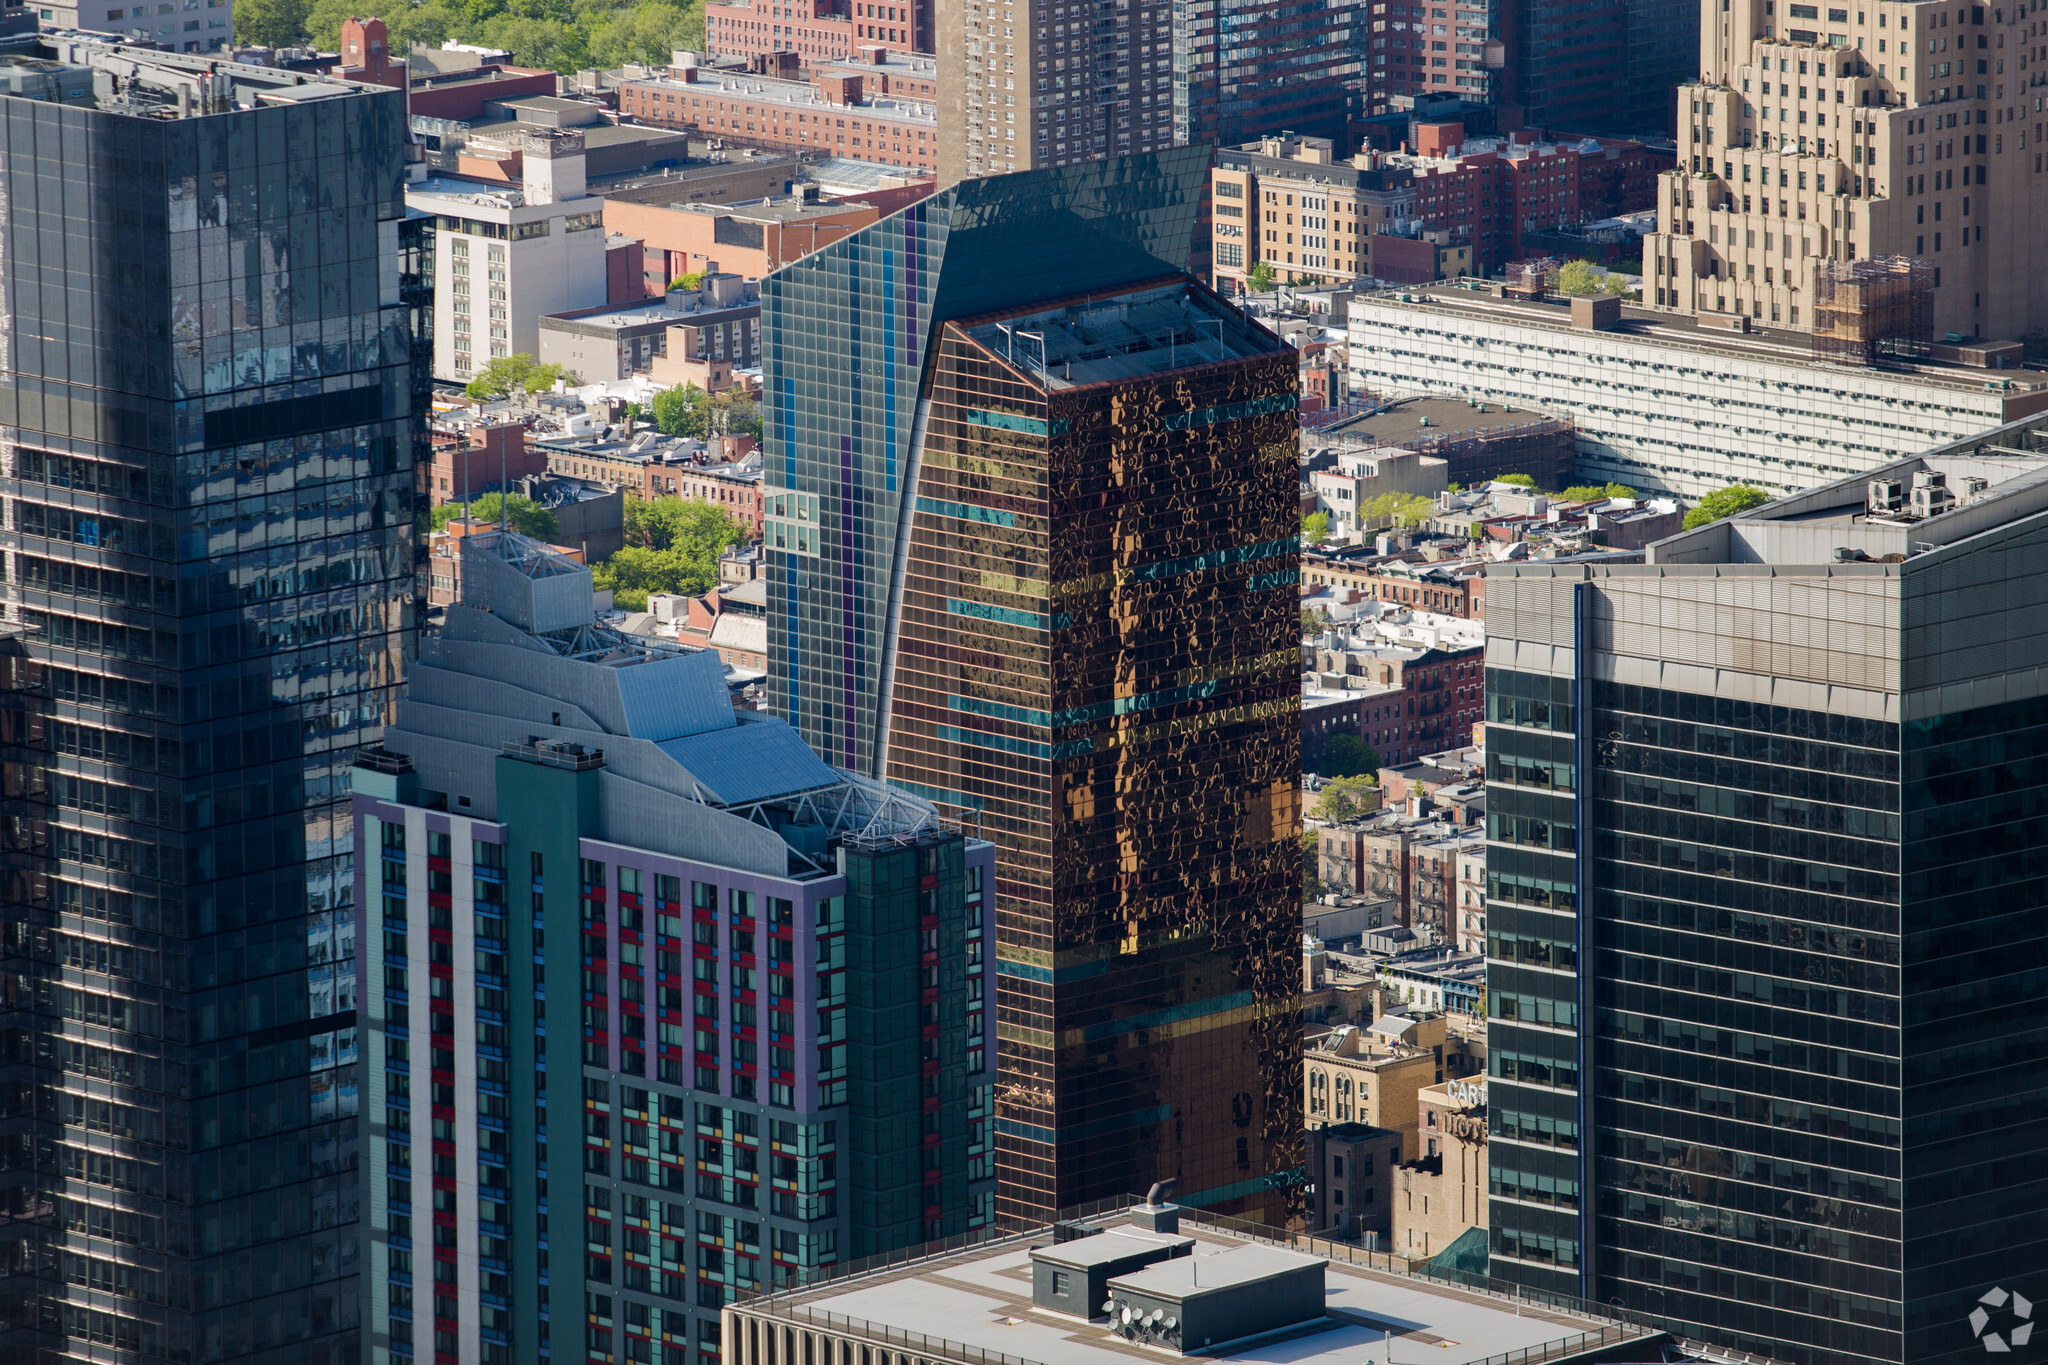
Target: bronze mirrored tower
<point x="1098" y="662"/>
<point x="1032" y="550"/>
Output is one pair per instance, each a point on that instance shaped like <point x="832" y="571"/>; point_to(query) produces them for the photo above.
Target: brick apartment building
<point x="843" y="111"/>
<point x="1425" y="50"/>
<point x="748" y="240"/>
<point x="815" y="31"/>
<point x="1293" y="203"/>
<point x="1454" y="588"/>
<point x="471" y="458"/>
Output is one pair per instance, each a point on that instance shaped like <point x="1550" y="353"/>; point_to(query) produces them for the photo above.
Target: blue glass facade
<point x="847" y="335"/>
<point x="207" y="410"/>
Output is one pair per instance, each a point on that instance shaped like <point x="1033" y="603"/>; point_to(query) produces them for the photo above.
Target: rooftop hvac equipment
<point x="1931" y="496"/>
<point x="1887" y="497"/>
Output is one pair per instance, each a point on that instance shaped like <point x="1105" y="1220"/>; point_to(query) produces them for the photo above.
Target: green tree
<point x="691" y="282"/>
<point x="672" y="546"/>
<point x="648" y="32"/>
<point x="558" y="35"/>
<point x="1311" y="866"/>
<point x="1314" y="620"/>
<point x="1347" y="798"/>
<point x="1593" y="492"/>
<point x="1260" y="278"/>
<point x="735" y="413"/>
<point x="1315" y="528"/>
<point x="1522" y="479"/>
<point x="1349" y="756"/>
<point x="687" y="410"/>
<point x="271" y="23"/>
<point x="1395" y="509"/>
<point x="680" y="411"/>
<point x="1580" y="279"/>
<point x="1725" y="502"/>
<point x="526" y="516"/>
<point x="508" y="372"/>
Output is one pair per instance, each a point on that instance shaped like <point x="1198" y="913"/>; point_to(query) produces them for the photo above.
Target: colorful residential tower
<point x="661" y="1008"/>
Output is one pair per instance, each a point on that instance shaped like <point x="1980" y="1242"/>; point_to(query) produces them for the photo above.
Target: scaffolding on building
<point x="1530" y="279"/>
<point x="1865" y="310"/>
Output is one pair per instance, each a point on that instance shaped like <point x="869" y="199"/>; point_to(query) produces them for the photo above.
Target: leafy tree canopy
<point x="1522" y="479"/>
<point x="1346" y="798"/>
<point x="526" y="516"/>
<point x="1260" y="278"/>
<point x="556" y="35"/>
<point x="1725" y="502"/>
<point x="1315" y="527"/>
<point x="1580" y="278"/>
<point x="507" y="372"/>
<point x="1395" y="509"/>
<point x="672" y="546"/>
<point x="1593" y="492"/>
<point x="687" y="410"/>
<point x="1349" y="756"/>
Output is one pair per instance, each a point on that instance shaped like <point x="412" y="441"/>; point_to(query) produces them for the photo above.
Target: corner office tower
<point x="1766" y="884"/>
<point x="1032" y="555"/>
<point x="207" y="401"/>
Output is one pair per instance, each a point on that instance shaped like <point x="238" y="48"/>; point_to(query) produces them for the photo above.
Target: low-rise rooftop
<point x="1890" y="515"/>
<point x="97" y="70"/>
<point x="795" y="94"/>
<point x="976" y="1304"/>
<point x="1148" y="330"/>
<point x="1475" y="299"/>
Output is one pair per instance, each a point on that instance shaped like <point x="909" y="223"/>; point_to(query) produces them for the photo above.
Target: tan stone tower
<point x="1858" y="128"/>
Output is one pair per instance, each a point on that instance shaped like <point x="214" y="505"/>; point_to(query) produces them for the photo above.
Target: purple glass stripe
<point x="846" y="588"/>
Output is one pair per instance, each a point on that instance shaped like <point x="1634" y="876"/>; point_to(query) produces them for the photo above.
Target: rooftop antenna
<point x="1039" y="337"/>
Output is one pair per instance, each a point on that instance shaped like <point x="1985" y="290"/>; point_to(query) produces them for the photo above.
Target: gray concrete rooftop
<point x="981" y="1298"/>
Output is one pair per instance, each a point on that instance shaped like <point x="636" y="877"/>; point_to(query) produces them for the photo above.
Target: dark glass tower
<point x="1032" y="516"/>
<point x="1766" y="919"/>
<point x="206" y="418"/>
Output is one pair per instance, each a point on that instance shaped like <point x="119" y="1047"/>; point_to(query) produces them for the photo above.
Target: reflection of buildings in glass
<point x="1771" y="1000"/>
<point x="208" y="449"/>
<point x="1052" y="537"/>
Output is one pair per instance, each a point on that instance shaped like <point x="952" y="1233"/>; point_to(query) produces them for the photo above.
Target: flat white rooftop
<point x="980" y="1298"/>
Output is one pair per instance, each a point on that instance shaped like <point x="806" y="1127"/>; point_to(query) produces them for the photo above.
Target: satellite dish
<point x="1171" y="1323"/>
<point x="1109" y="1306"/>
<point x="1127" y="1313"/>
<point x="1154" y="1315"/>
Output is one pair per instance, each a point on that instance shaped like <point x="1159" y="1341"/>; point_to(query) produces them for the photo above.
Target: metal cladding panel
<point x="667" y="698"/>
<point x="560" y="602"/>
<point x="461" y="691"/>
<point x="750" y="762"/>
<point x="643" y="817"/>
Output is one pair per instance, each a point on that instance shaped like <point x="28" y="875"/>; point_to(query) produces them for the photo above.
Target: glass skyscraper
<point x="1032" y="500"/>
<point x="1767" y="923"/>
<point x="207" y="416"/>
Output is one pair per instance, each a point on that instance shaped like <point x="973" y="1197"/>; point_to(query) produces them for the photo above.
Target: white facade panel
<point x="1661" y="416"/>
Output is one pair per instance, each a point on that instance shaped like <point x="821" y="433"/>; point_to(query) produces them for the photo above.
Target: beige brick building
<point x="1440" y="1191"/>
<point x="1373" y="1075"/>
<point x="1852" y="129"/>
